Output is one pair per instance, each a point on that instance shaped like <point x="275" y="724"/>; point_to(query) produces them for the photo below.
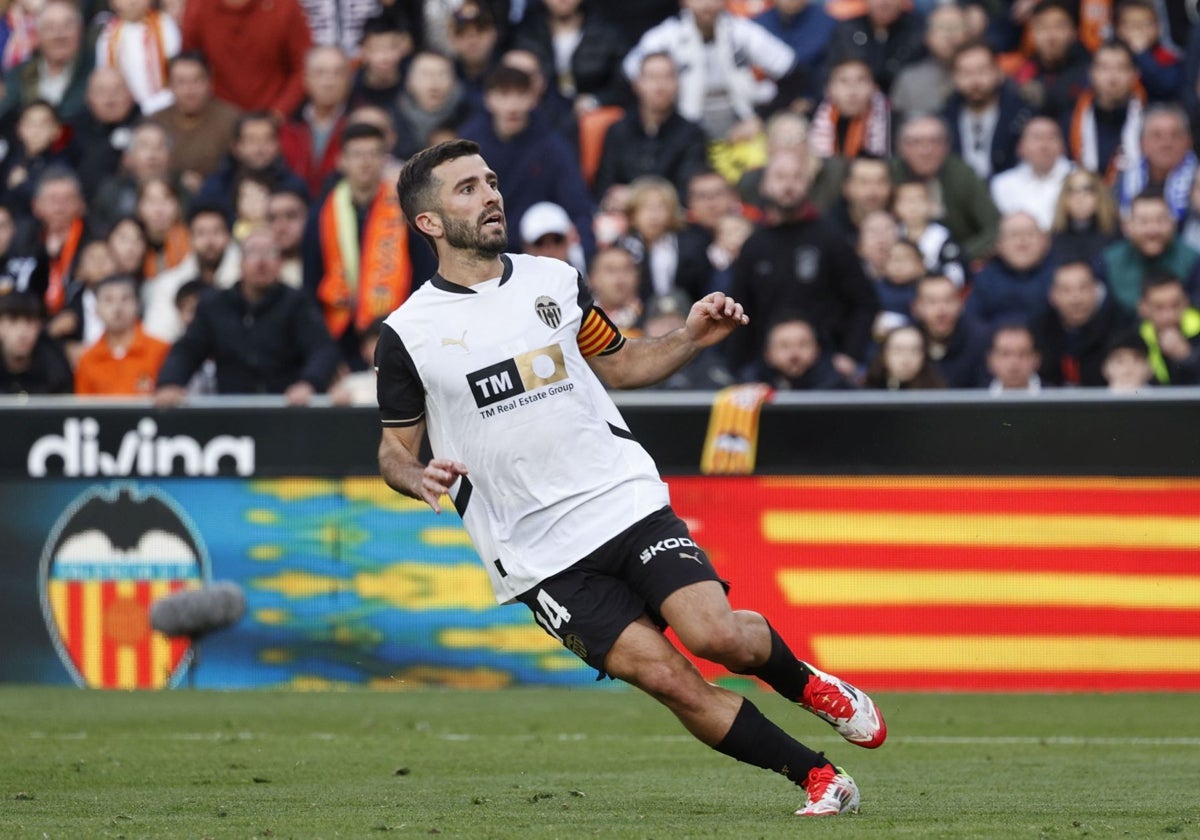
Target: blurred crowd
<point x="198" y="196"/>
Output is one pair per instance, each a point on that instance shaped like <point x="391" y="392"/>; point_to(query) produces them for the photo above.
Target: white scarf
<point x="1129" y="153"/>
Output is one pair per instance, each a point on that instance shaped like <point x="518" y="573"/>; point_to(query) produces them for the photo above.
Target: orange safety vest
<point x="367" y="282"/>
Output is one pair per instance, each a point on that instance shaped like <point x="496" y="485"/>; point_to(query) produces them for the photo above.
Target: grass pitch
<point x="560" y="763"/>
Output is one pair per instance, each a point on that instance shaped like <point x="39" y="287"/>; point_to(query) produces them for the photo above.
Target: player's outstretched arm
<point x="404" y="472"/>
<point x="644" y="361"/>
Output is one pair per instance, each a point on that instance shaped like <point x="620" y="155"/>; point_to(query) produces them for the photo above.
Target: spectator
<point x="1167" y="162"/>
<point x="787" y="134"/>
<point x="161" y="214"/>
<point x="385" y="48"/>
<point x="534" y="163"/>
<point x="653" y="138"/>
<point x="1136" y="23"/>
<point x="1105" y="126"/>
<point x="287" y="210"/>
<point x="710" y="198"/>
<point x="473" y="41"/>
<point x="1074" y="332"/>
<point x="214" y="261"/>
<point x="204" y="381"/>
<point x="339" y="24"/>
<point x="1085" y="218"/>
<point x="1035" y="183"/>
<point x="148" y="156"/>
<point x="579" y="49"/>
<point x="925" y="86"/>
<point x="58" y="206"/>
<point x="250" y="205"/>
<point x="58" y="69"/>
<point x="912" y="206"/>
<point x="903" y="363"/>
<point x="18" y="32"/>
<point x="360" y="387"/>
<point x="356" y="253"/>
<point x="1127" y="363"/>
<point x="264" y="337"/>
<point x="706" y="372"/>
<point x="1171" y="330"/>
<point x="877" y="234"/>
<point x="38" y="146"/>
<point x="20" y="269"/>
<point x="309" y="141"/>
<point x="201" y="127"/>
<point x="897" y="287"/>
<point x="892" y="37"/>
<point x="1013" y="361"/>
<point x="381" y="119"/>
<point x="867" y="188"/>
<point x="1055" y="73"/>
<point x="793" y="359"/>
<point x="985" y="114"/>
<point x="718" y="88"/>
<point x="129" y="246"/>
<point x="667" y="262"/>
<point x="30" y="361"/>
<point x="255" y="153"/>
<point x="1012" y="286"/>
<point x="104" y="129"/>
<point x="138" y="40"/>
<point x="546" y="231"/>
<point x="614" y="281"/>
<point x="796" y="261"/>
<point x="432" y="97"/>
<point x="125" y="361"/>
<point x="966" y="207"/>
<point x="77" y="326"/>
<point x="255" y="49"/>
<point x="808" y="29"/>
<point x="1150" y="244"/>
<point x="958" y="344"/>
<point x="855" y="117"/>
<point x="731" y="235"/>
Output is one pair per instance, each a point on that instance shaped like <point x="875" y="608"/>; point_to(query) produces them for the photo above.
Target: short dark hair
<point x="205" y="208"/>
<point x="253" y="117"/>
<point x="195" y="287"/>
<point x="1127" y="339"/>
<point x="362" y="131"/>
<point x="1115" y="45"/>
<point x="970" y="46"/>
<point x="417" y="186"/>
<point x="1052" y="5"/>
<point x="389" y="23"/>
<point x="508" y="79"/>
<point x="190" y="57"/>
<point x="19" y="305"/>
<point x="1157" y="279"/>
<point x="117" y="279"/>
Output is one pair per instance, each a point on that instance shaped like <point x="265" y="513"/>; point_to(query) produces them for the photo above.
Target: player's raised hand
<point x="713" y="317"/>
<point x="436" y="479"/>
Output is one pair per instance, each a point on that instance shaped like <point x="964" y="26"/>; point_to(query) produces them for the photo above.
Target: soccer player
<point x="500" y="357"/>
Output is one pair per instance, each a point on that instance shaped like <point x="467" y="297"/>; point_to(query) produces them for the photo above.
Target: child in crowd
<point x="903" y="363"/>
<point x="125" y="361"/>
<point x="897" y="287"/>
<point x="912" y="205"/>
<point x="1127" y="364"/>
<point x="250" y="209"/>
<point x="138" y="40"/>
<point x="877" y="233"/>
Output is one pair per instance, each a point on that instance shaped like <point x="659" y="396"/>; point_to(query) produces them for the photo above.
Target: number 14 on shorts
<point x="551" y="615"/>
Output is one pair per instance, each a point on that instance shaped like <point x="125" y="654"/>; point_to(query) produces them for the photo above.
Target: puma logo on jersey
<point x="461" y="342"/>
<point x="667" y="545"/>
<point x="695" y="556"/>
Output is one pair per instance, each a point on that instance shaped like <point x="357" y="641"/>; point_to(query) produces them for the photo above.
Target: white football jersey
<point x="498" y="372"/>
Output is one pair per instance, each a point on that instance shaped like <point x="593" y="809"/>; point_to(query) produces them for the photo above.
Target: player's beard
<point x="471" y="237"/>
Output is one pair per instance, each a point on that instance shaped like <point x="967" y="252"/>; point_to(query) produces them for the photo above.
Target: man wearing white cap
<point x="546" y="231"/>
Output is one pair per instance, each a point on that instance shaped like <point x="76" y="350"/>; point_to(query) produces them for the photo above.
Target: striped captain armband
<point x="598" y="336"/>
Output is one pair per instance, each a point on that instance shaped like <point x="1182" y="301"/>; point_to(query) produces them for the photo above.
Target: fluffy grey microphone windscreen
<point x="194" y="612"/>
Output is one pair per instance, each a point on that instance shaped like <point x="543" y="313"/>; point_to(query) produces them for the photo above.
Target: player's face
<point x="472" y="209"/>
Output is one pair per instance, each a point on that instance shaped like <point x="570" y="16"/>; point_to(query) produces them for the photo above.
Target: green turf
<point x="559" y="763"/>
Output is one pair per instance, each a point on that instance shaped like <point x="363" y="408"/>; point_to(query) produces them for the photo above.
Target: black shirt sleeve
<point x="399" y="389"/>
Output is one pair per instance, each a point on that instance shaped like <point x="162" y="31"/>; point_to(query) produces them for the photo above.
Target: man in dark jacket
<point x="796" y="261"/>
<point x="30" y="361"/>
<point x="1013" y="286"/>
<point x="958" y="344"/>
<point x="793" y="359"/>
<point x="1074" y="333"/>
<point x="889" y="36"/>
<point x="985" y="115"/>
<point x="533" y="162"/>
<point x="653" y="139"/>
<point x="103" y="131"/>
<point x="265" y="337"/>
<point x="255" y="152"/>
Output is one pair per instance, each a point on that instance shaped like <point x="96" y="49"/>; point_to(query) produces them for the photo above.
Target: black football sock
<point x="755" y="740"/>
<point x="782" y="670"/>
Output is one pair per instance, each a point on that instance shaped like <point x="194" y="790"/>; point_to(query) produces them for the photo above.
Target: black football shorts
<point x="588" y="605"/>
